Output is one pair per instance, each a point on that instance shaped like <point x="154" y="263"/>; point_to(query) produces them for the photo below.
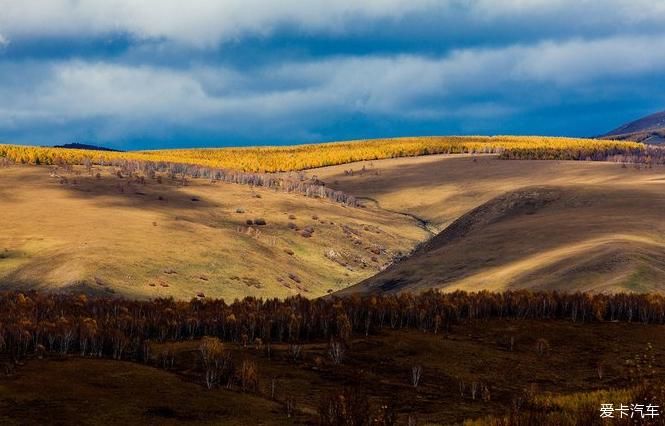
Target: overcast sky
<point x="170" y="73"/>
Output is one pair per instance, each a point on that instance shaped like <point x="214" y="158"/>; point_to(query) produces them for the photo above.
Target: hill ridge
<point x="648" y="129"/>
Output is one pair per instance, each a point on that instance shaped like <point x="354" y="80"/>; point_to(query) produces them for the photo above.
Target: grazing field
<point x="300" y="157"/>
<point x="73" y="231"/>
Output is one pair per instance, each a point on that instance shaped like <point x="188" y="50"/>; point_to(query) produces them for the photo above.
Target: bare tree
<point x="290" y="407"/>
<point x="416" y="374"/>
<point x="295" y="350"/>
<point x="542" y="346"/>
<point x="474" y="390"/>
<point x="336" y="351"/>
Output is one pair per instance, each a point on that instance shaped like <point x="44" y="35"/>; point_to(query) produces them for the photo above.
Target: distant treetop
<point x="76" y="145"/>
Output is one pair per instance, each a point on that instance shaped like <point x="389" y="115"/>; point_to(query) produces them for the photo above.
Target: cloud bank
<point x="175" y="81"/>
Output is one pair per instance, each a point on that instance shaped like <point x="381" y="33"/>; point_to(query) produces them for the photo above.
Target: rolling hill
<point x="132" y="229"/>
<point x="100" y="233"/>
<point x="649" y="129"/>
<point x="501" y="225"/>
<point x="447" y="221"/>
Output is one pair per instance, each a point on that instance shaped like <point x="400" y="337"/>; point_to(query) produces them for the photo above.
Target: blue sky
<point x="139" y="74"/>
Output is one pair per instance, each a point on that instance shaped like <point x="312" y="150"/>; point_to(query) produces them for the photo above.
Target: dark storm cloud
<point x="130" y="74"/>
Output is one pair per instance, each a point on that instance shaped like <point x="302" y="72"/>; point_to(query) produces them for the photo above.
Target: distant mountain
<point x="650" y="129"/>
<point x="84" y="146"/>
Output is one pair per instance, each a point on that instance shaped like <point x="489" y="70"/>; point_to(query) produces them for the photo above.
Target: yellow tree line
<point x="300" y="157"/>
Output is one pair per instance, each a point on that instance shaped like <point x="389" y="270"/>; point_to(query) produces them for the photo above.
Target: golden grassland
<point x="569" y="410"/>
<point x="300" y="157"/>
<point x="602" y="232"/>
<point x="157" y="238"/>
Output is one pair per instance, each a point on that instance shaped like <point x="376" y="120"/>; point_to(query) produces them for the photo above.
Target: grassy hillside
<point x="557" y="225"/>
<point x="94" y="391"/>
<point x="300" y="157"/>
<point x="72" y="230"/>
<point x="151" y="232"/>
<point x="68" y="229"/>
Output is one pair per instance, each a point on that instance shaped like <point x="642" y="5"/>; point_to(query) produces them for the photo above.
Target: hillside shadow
<point x="497" y="235"/>
<point x="472" y="171"/>
<point x="82" y="287"/>
<point x="117" y="192"/>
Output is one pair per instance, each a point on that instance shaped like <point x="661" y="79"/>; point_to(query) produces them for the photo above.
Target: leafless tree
<point x="336" y="351"/>
<point x="542" y="346"/>
<point x="290" y="406"/>
<point x="416" y="374"/>
<point x="474" y="390"/>
<point x="295" y="351"/>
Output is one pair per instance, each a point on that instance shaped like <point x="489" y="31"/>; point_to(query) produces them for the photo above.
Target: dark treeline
<point x="119" y="328"/>
<point x="649" y="156"/>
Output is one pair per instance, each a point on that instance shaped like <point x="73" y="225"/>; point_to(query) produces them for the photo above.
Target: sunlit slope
<point x="118" y="235"/>
<point x="125" y="236"/>
<point x="547" y="225"/>
<point x="440" y="188"/>
<point x="300" y="157"/>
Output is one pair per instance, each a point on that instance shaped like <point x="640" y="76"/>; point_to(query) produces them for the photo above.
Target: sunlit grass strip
<point x="572" y="409"/>
<point x="300" y="157"/>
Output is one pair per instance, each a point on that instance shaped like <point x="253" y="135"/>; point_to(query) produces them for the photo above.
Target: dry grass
<point x="603" y="233"/>
<point x="153" y="240"/>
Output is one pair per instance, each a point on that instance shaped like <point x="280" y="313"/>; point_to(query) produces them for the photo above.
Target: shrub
<point x="307" y="232"/>
<point x="248" y="376"/>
